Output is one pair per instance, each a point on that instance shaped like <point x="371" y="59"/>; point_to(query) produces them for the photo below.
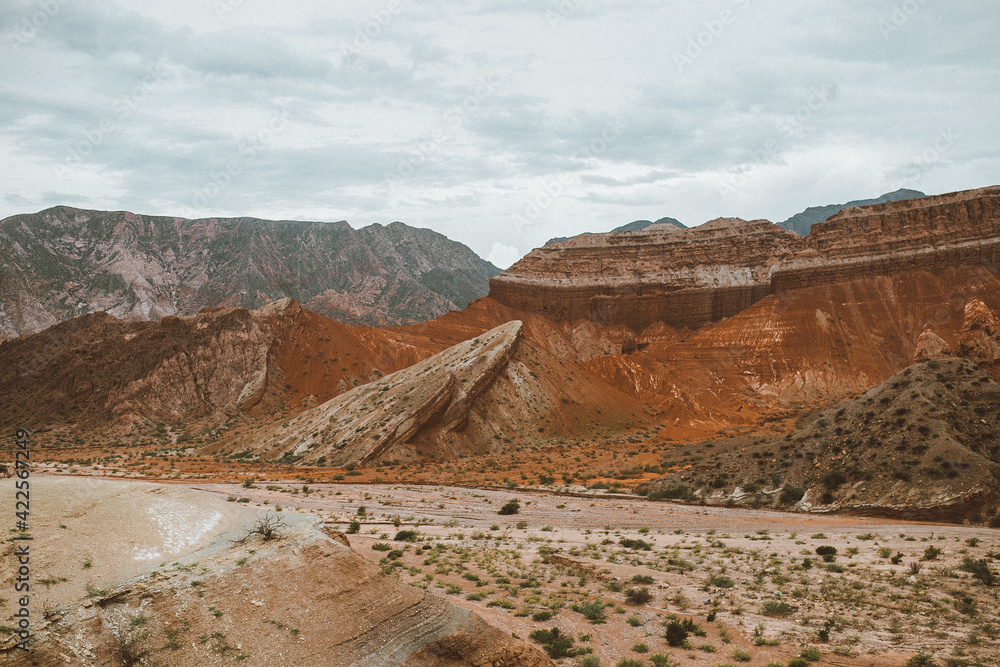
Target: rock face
<point x="923" y="444"/>
<point x="687" y="278"/>
<point x="491" y="391"/>
<point x="97" y="371"/>
<point x="800" y="223"/>
<point x="64" y="262"/>
<point x="344" y="610"/>
<point x="661" y="273"/>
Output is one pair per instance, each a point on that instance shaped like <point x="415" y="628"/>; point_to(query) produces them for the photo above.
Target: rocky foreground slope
<point x="923" y="444"/>
<point x="64" y="262"/>
<point x="209" y="596"/>
<point x="687" y="278"/>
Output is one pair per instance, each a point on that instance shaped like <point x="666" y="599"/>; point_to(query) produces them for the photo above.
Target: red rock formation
<point x="687" y="278"/>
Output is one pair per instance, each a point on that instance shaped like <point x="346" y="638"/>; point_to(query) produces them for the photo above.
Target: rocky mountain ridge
<point x="65" y="262"/>
<point x="687" y="278"/>
<point x="800" y="223"/>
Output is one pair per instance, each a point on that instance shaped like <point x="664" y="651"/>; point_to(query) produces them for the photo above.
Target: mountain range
<point x="64" y="262"/>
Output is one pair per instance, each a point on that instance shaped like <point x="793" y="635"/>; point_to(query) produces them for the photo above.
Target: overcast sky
<point x="500" y="123"/>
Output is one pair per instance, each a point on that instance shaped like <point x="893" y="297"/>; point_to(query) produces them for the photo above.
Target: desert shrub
<point x="826" y="550"/>
<point x="381" y="546"/>
<point x="811" y="653"/>
<point x="721" y="581"/>
<point x="778" y="608"/>
<point x="406" y="536"/>
<point x="979" y="569"/>
<point x="661" y="660"/>
<point x="638" y="595"/>
<point x="798" y="662"/>
<point x="994" y="521"/>
<point x="921" y="660"/>
<point x="592" y="611"/>
<point x="542" y="616"/>
<point x="642" y="579"/>
<point x="510" y="507"/>
<point x="676" y="634"/>
<point x="739" y="655"/>
<point x="791" y="494"/>
<point x="930" y="553"/>
<point x="555" y="644"/>
<point x="640" y="648"/>
<point x="629" y="662"/>
<point x="637" y="545"/>
<point x="834" y="479"/>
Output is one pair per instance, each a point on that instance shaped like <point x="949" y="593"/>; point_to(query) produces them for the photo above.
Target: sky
<point x="499" y="123"/>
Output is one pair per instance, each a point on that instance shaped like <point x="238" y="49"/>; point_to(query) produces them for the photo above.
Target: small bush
<point x="629" y="662"/>
<point x="921" y="660"/>
<point x="354" y="527"/>
<point x="661" y="660"/>
<point x="739" y="655"/>
<point x="676" y="634"/>
<point x="930" y="553"/>
<point x="778" y="608"/>
<point x="721" y="581"/>
<point x="791" y="494"/>
<point x="510" y="507"/>
<point x="638" y="595"/>
<point x="542" y="616"/>
<point x="811" y="653"/>
<point x="979" y="569"/>
<point x="592" y="611"/>
<point x="406" y="536"/>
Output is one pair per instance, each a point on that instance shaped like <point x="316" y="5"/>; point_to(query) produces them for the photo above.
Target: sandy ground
<point x="92" y="535"/>
<point x="877" y="614"/>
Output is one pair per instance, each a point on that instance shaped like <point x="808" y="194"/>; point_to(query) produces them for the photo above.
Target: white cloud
<point x="502" y="256"/>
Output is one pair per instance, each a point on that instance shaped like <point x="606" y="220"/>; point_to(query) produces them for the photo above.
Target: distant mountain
<point x="63" y="262"/>
<point x="800" y="223"/>
<point x="630" y="227"/>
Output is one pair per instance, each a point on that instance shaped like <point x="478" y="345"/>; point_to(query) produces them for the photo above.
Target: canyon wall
<point x="687" y="278"/>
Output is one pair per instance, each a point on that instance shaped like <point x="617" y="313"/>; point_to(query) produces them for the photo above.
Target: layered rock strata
<point x="687" y="278"/>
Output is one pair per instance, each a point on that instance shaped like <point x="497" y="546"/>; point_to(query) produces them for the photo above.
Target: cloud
<point x="493" y="122"/>
<point x="502" y="256"/>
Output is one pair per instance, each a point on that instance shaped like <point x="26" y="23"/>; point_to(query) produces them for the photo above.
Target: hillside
<point x="800" y="223"/>
<point x="691" y="277"/>
<point x="66" y="262"/>
<point x="923" y="444"/>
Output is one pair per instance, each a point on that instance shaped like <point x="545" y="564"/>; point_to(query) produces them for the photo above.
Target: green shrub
<point x="406" y="536"/>
<point x="798" y="662"/>
<point x="661" y="660"/>
<point x="811" y="653"/>
<point x="636" y="545"/>
<point x="721" y="581"/>
<point x="791" y="494"/>
<point x="510" y="507"/>
<point x="979" y="569"/>
<point x="930" y="553"/>
<point x="921" y="660"/>
<point x="833" y="479"/>
<point x="542" y="616"/>
<point x="638" y="595"/>
<point x="676" y="634"/>
<point x="592" y="611"/>
<point x="778" y="608"/>
<point x="739" y="655"/>
<point x="353" y="527"/>
<point x="629" y="662"/>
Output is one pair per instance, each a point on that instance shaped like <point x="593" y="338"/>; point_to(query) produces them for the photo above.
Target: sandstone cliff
<point x="687" y="278"/>
<point x="64" y="262"/>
